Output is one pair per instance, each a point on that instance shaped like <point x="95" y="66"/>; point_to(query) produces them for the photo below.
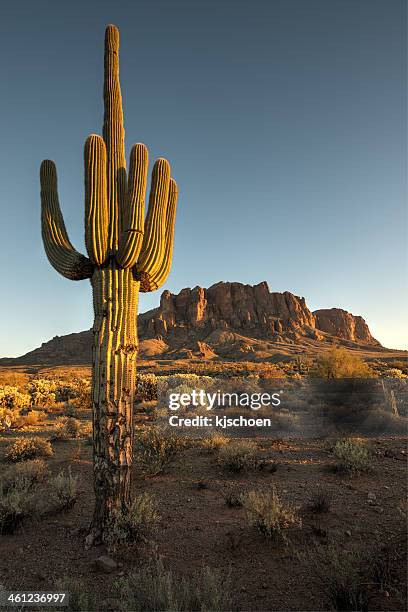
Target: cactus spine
<point x="126" y="254"/>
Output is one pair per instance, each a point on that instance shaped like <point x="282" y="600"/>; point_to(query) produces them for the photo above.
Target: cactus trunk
<point x="115" y="298"/>
<point x="126" y="253"/>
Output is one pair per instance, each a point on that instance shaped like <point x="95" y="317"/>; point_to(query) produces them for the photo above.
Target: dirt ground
<point x="198" y="528"/>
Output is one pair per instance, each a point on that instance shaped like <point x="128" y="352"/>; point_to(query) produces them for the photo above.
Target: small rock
<point x="348" y="533"/>
<point x="264" y="585"/>
<point x="386" y="594"/>
<point x="106" y="564"/>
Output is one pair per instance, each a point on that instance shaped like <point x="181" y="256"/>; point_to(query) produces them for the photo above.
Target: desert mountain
<point x="227" y="320"/>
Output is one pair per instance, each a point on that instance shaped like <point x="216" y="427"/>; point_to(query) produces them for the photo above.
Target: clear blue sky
<point x="285" y="124"/>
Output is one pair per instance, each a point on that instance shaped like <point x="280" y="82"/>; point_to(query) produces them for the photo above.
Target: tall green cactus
<point x="126" y="254"/>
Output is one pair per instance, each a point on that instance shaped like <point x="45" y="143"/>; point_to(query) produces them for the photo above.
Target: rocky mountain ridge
<point x="227" y="320"/>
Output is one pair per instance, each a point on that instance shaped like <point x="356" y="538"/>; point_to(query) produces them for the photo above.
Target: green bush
<point x="157" y="447"/>
<point x="127" y="527"/>
<point x="269" y="515"/>
<point x="353" y="456"/>
<point x="237" y="455"/>
<point x="28" y="448"/>
<point x="154" y="588"/>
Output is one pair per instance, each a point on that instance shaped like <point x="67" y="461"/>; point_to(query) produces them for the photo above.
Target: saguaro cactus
<point x="126" y="254"/>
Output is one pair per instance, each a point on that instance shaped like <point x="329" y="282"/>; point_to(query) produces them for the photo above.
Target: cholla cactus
<point x="126" y="254"/>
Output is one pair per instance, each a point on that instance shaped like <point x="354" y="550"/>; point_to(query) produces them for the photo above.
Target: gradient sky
<point x="285" y="124"/>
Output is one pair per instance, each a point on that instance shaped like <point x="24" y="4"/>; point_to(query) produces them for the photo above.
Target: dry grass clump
<point x="214" y="441"/>
<point x="80" y="599"/>
<point x="135" y="524"/>
<point x="67" y="427"/>
<point x="340" y="578"/>
<point x="233" y="497"/>
<point x="269" y="514"/>
<point x="63" y="491"/>
<point x="28" y="448"/>
<point x="28" y="473"/>
<point x="155" y="588"/>
<point x="16" y="503"/>
<point x="18" y="493"/>
<point x="238" y="455"/>
<point x="320" y="502"/>
<point x="353" y="456"/>
<point x="157" y="447"/>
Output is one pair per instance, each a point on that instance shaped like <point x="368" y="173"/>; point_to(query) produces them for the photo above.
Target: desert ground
<point x="338" y="541"/>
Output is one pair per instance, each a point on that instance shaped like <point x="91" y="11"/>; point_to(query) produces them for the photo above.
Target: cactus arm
<point x="132" y="237"/>
<point x="114" y="136"/>
<point x="152" y="251"/>
<point x="159" y="276"/>
<point x="96" y="202"/>
<point x="60" y="252"/>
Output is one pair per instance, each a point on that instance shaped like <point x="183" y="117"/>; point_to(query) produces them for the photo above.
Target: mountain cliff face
<point x="230" y="320"/>
<point x="343" y="324"/>
<point x="229" y="306"/>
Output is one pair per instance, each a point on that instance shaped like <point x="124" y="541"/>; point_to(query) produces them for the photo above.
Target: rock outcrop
<point x="227" y="320"/>
<point x="343" y="324"/>
<point x="226" y="306"/>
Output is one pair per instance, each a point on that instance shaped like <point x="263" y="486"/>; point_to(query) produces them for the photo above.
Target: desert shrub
<point x="76" y="393"/>
<point x="394" y="373"/>
<point x="67" y="427"/>
<point x="233" y="497"/>
<point x="80" y="599"/>
<point x="24" y="474"/>
<point x="340" y="579"/>
<point x="87" y="432"/>
<point x="157" y="447"/>
<point x="12" y="398"/>
<point x="33" y="417"/>
<point x="28" y="448"/>
<point x="213" y="441"/>
<point x="353" y="456"/>
<point x="382" y="422"/>
<point x="63" y="490"/>
<point x="284" y="420"/>
<point x="133" y="525"/>
<point x="269" y="514"/>
<point x="237" y="455"/>
<point x="320" y="502"/>
<point x="340" y="363"/>
<point x="16" y="503"/>
<point x="146" y="387"/>
<point x="9" y="419"/>
<point x="154" y="588"/>
<point x="42" y="391"/>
